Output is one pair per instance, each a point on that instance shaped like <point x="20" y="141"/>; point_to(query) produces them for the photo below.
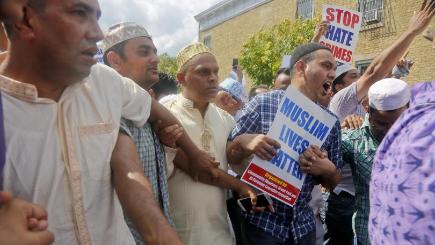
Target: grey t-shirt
<point x="345" y="103"/>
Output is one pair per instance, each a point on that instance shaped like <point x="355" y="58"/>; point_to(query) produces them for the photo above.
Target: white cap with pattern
<point x="122" y="32"/>
<point x="389" y="94"/>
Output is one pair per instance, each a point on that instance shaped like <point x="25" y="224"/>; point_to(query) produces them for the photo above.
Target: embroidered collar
<point x="28" y="92"/>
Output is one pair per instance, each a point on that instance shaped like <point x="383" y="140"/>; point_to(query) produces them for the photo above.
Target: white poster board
<point x="343" y="32"/>
<point x="299" y="123"/>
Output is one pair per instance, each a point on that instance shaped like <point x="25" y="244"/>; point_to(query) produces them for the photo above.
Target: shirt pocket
<point x="98" y="141"/>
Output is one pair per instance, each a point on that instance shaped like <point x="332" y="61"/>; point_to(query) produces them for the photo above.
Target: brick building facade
<point x="227" y="25"/>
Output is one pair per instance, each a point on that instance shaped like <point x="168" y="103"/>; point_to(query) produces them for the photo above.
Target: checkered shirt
<point x="152" y="157"/>
<point x="359" y="148"/>
<point x="256" y="118"/>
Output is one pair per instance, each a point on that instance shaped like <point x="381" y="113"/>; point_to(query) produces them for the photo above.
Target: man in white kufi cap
<point x="388" y="98"/>
<point x="129" y="49"/>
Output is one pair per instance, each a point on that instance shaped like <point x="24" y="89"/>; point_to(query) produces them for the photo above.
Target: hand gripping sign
<point x="342" y="35"/>
<point x="298" y="124"/>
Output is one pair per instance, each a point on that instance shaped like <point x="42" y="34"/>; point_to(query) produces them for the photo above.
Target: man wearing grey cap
<point x="313" y="69"/>
<point x="388" y="98"/>
<point x="129" y="49"/>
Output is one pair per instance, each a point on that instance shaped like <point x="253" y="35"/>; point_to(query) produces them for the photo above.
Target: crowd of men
<point x="119" y="153"/>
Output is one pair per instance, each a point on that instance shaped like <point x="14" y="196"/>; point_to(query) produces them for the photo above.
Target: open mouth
<point x="153" y="70"/>
<point x="326" y="87"/>
<point x="90" y="52"/>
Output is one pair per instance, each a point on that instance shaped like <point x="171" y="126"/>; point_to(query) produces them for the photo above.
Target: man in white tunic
<point x="199" y="209"/>
<point x="62" y="115"/>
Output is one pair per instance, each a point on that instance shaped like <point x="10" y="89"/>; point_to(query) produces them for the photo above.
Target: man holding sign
<point x="313" y="69"/>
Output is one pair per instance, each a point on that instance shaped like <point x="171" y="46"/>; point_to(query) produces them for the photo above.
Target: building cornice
<point x="224" y="11"/>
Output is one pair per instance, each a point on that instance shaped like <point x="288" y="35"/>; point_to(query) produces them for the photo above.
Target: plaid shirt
<point x="359" y="148"/>
<point x="152" y="156"/>
<point x="256" y="118"/>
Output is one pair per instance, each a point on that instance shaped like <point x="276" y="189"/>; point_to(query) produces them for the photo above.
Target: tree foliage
<point x="262" y="53"/>
<point x="168" y="64"/>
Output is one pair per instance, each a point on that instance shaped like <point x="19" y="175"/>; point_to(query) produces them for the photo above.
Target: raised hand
<point x="321" y="30"/>
<point x="421" y="20"/>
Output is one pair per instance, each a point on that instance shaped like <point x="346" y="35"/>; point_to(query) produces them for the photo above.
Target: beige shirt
<point x="58" y="153"/>
<point x="199" y="210"/>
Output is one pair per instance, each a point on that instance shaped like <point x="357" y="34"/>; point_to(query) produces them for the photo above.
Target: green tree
<point x="168" y="64"/>
<point x="262" y="53"/>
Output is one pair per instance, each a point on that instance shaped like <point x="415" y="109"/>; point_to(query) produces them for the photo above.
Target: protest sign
<point x="298" y="124"/>
<point x="285" y="63"/>
<point x="342" y="35"/>
<point x="99" y="56"/>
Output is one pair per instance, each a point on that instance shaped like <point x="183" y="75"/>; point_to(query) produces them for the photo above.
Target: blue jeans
<point x="339" y="219"/>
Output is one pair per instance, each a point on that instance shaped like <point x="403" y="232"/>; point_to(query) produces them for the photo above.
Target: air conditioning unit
<point x="372" y="16"/>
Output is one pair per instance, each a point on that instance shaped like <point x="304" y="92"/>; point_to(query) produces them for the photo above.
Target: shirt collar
<point x="366" y="122"/>
<point x="187" y="103"/>
<point x="28" y="92"/>
<point x="366" y="126"/>
<point x="423" y="93"/>
<point x="22" y="91"/>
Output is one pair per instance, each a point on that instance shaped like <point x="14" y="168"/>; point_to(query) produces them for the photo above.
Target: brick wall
<point x="228" y="37"/>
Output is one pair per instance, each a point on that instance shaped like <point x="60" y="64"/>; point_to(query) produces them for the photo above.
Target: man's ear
<point x="26" y="23"/>
<point x="300" y="67"/>
<point x="114" y="60"/>
<point x="152" y="94"/>
<point x="181" y="78"/>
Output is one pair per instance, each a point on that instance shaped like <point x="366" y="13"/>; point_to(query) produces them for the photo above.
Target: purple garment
<point x="402" y="189"/>
<point x="2" y="144"/>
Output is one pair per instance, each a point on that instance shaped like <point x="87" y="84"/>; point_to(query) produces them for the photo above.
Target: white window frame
<point x="362" y="65"/>
<point x="207" y="41"/>
<point x="373" y="12"/>
<point x="304" y="9"/>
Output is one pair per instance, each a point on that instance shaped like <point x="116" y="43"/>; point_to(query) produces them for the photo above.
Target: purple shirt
<point x="2" y="144"/>
<point x="402" y="189"/>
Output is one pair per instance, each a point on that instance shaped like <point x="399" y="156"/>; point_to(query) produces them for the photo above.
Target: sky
<point x="171" y="23"/>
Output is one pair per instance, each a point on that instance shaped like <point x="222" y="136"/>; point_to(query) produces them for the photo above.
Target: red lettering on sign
<point x="340" y="16"/>
<point x="341" y="54"/>
<point x="330" y="14"/>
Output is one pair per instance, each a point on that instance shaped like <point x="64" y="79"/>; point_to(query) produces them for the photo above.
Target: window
<point x="373" y="11"/>
<point x="362" y="65"/>
<point x="207" y="41"/>
<point x="304" y="9"/>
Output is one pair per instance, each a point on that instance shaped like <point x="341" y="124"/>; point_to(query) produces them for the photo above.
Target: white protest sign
<point x="343" y="32"/>
<point x="298" y="124"/>
<point x="285" y="63"/>
<point x="99" y="55"/>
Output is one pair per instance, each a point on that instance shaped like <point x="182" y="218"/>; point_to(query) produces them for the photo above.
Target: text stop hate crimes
<point x="341" y="35"/>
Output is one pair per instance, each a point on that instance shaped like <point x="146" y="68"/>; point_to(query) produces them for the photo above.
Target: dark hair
<point x="166" y="85"/>
<point x="306" y="58"/>
<point x="37" y="5"/>
<point x="118" y="48"/>
<point x="338" y="80"/>
<point x="253" y="91"/>
<point x="284" y="70"/>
